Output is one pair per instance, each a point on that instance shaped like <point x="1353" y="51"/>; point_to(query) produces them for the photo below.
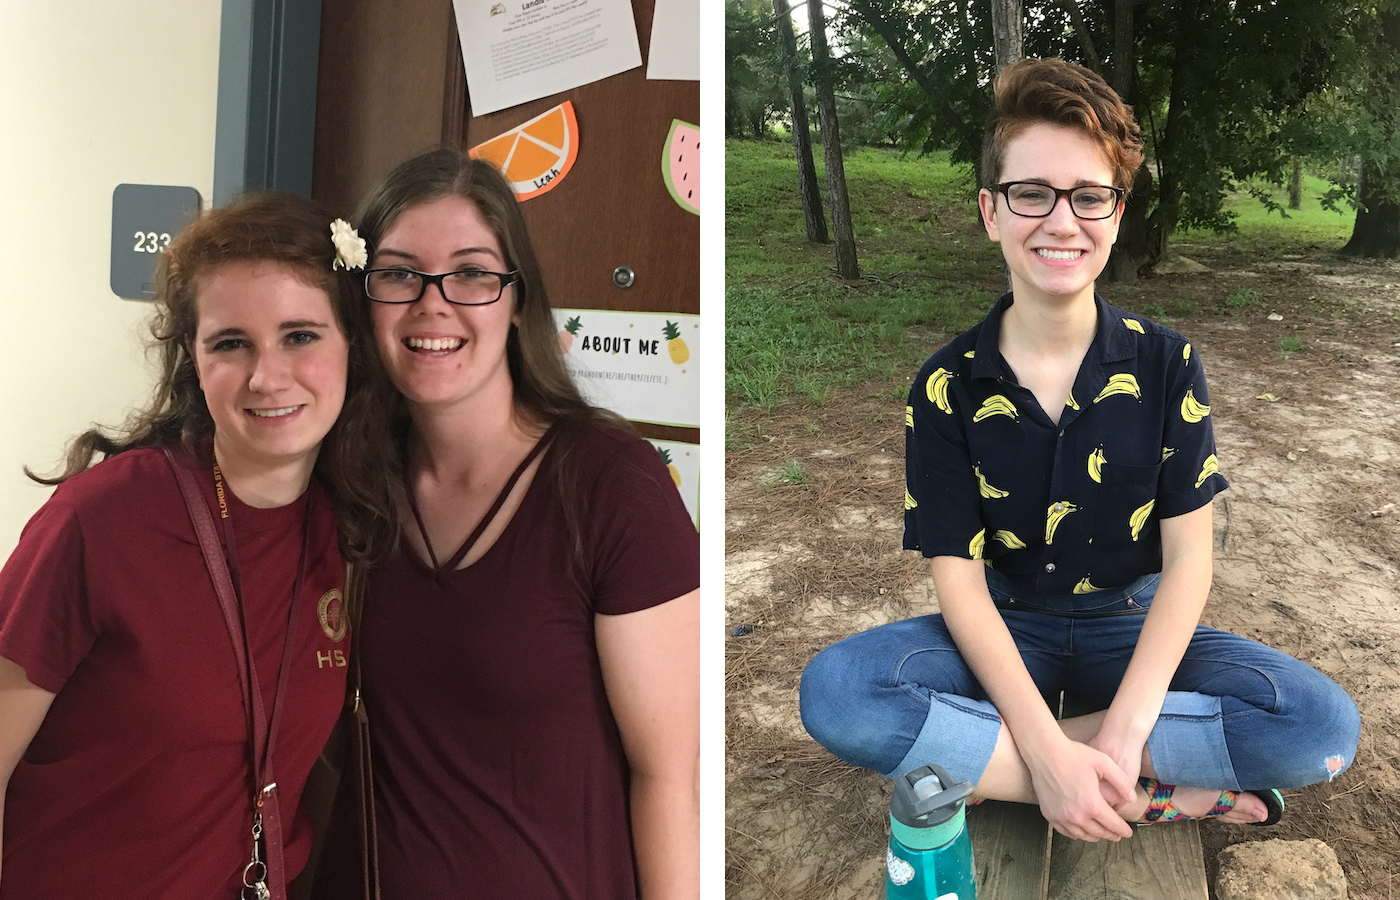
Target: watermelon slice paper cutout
<point x="535" y="156"/>
<point x="680" y="165"/>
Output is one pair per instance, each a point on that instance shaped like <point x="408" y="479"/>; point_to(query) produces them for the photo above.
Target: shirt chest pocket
<point x="1123" y="511"/>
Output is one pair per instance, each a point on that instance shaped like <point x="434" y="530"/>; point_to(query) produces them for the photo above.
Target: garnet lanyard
<point x="267" y="822"/>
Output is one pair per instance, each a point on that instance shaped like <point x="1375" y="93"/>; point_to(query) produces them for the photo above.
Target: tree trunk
<point x="1081" y="31"/>
<point x="1295" y="186"/>
<point x="1123" y="56"/>
<point x="846" y="263"/>
<point x="1134" y="247"/>
<point x="1376" y="233"/>
<point x="1161" y="225"/>
<point x="801" y="130"/>
<point x="1006" y="31"/>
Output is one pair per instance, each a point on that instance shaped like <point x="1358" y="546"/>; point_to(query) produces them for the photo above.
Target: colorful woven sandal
<point x="1160" y="807"/>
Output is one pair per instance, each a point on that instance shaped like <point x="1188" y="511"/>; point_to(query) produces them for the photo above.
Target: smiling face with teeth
<point x="272" y="361"/>
<point x="1057" y="258"/>
<point x="439" y="354"/>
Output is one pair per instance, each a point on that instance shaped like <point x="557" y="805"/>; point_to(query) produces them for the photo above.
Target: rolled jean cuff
<point x="959" y="735"/>
<point x="1187" y="744"/>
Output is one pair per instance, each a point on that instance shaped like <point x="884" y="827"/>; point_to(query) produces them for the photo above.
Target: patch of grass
<point x="1290" y="344"/>
<point x="793" y="473"/>
<point x="1251" y="213"/>
<point x="796" y="333"/>
<point x="1242" y="298"/>
<point x="1183" y="307"/>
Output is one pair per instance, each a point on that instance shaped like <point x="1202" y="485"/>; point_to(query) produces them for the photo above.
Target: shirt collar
<point x="1113" y="341"/>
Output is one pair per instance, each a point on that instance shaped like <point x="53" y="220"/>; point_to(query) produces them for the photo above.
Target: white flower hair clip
<point x="350" y="252"/>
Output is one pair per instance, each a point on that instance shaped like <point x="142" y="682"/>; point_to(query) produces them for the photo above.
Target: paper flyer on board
<point x="644" y="366"/>
<point x="682" y="461"/>
<point x="516" y="51"/>
<point x="674" y="51"/>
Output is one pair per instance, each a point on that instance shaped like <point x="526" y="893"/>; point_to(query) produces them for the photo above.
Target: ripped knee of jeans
<point x="1335" y="764"/>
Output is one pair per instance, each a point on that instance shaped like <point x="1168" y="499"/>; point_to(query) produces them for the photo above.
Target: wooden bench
<point x="1019" y="857"/>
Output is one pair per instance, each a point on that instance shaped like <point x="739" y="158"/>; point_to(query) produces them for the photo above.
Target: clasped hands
<point x="1080" y="786"/>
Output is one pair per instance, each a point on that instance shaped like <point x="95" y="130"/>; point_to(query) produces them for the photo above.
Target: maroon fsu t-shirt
<point x="499" y="770"/>
<point x="137" y="783"/>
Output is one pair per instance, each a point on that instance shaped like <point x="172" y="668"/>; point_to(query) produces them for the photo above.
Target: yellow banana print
<point x="986" y="490"/>
<point x="970" y="354"/>
<point x="1167" y="453"/>
<point x="937" y="389"/>
<point x="1053" y="516"/>
<point x="996" y="405"/>
<point x="1070" y="402"/>
<point x="1134" y="325"/>
<point x="1211" y="466"/>
<point x="909" y="501"/>
<point x="1122" y="383"/>
<point x="1192" y="410"/>
<point x="1139" y="517"/>
<point x="979" y="541"/>
<point x="1085" y="587"/>
<point x="1011" y="541"/>
<point x="909" y="416"/>
<point x="1096" y="465"/>
<point x="1186" y="354"/>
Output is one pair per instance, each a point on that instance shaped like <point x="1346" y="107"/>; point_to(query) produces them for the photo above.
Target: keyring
<point x="253" y="866"/>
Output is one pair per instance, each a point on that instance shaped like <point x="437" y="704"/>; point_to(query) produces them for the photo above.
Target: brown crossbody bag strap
<point x="363" y="772"/>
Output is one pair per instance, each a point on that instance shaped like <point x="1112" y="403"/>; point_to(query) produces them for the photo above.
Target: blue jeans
<point x="1237" y="715"/>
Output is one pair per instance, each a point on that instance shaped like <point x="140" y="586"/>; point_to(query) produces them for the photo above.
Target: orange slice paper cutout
<point x="537" y="155"/>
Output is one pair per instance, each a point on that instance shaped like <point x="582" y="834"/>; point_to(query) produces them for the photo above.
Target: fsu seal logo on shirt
<point x="331" y="612"/>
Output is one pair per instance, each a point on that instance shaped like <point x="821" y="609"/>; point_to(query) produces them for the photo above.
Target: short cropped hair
<point x="1055" y="92"/>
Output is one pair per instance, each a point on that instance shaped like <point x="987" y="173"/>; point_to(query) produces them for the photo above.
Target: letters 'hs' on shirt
<point x="1067" y="508"/>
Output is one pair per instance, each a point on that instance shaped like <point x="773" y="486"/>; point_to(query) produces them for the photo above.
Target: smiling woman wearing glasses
<point x="1060" y="471"/>
<point x="531" y="648"/>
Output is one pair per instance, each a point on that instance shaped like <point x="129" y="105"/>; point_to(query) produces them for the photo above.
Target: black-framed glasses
<point x="1036" y="201"/>
<point x="465" y="287"/>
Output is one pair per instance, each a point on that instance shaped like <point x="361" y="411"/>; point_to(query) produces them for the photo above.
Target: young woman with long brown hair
<point x="531" y="648"/>
<point x="154" y="739"/>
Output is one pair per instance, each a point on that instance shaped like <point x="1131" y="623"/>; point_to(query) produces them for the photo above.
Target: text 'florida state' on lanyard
<point x="267" y="819"/>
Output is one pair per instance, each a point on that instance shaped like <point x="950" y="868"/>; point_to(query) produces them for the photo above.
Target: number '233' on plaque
<point x="145" y="217"/>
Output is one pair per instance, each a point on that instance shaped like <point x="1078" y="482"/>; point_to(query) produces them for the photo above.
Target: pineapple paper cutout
<point x="670" y="466"/>
<point x="675" y="345"/>
<point x="568" y="333"/>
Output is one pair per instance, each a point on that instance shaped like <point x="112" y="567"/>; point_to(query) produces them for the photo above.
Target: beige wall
<point x="92" y="95"/>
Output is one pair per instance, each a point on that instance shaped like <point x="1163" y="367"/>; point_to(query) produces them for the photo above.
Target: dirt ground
<point x="1307" y="560"/>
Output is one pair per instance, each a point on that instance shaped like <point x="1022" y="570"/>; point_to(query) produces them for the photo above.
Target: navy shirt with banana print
<point x="1067" y="508"/>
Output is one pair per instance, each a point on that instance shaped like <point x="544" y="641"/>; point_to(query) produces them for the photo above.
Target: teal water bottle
<point x="930" y="855"/>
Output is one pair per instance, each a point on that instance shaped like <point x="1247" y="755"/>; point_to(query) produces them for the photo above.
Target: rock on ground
<point x="1280" y="870"/>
